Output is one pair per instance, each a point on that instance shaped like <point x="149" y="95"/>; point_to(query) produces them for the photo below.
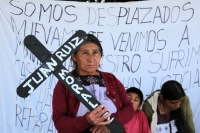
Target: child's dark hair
<point x="173" y="90"/>
<point x="136" y="91"/>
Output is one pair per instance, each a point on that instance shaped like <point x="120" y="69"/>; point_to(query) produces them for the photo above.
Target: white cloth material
<point x="100" y="94"/>
<point x="154" y="102"/>
<point x="165" y="128"/>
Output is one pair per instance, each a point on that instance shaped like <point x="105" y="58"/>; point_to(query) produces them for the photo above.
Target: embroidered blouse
<point x="96" y="85"/>
<point x="166" y="123"/>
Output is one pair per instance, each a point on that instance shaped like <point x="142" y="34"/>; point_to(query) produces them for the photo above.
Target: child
<point x="139" y="122"/>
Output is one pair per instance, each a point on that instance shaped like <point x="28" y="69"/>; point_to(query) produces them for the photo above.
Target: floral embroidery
<point x="166" y="128"/>
<point x="160" y="129"/>
<point x="79" y="79"/>
<point x="103" y="82"/>
<point x="92" y="80"/>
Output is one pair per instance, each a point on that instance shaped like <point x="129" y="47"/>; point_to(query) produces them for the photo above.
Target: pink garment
<point x="138" y="124"/>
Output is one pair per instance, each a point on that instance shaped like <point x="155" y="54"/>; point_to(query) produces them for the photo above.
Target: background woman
<point x="168" y="110"/>
<point x="70" y="115"/>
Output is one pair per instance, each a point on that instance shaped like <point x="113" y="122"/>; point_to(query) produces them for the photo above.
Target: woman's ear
<point x="73" y="57"/>
<point x="161" y="97"/>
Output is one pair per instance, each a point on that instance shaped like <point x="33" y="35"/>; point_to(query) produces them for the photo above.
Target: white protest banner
<point x="144" y="43"/>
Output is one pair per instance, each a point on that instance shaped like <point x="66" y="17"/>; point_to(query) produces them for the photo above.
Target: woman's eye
<point x="96" y="52"/>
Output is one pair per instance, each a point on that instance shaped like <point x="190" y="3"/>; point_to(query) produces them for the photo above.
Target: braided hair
<point x="173" y="90"/>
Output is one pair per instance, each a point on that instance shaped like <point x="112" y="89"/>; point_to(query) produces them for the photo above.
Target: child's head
<point x="135" y="96"/>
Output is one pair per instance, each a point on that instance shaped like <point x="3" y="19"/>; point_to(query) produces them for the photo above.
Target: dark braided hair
<point x="173" y="90"/>
<point x="93" y="39"/>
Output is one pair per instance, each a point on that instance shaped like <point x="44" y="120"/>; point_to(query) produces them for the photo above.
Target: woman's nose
<point x="178" y="104"/>
<point x="90" y="57"/>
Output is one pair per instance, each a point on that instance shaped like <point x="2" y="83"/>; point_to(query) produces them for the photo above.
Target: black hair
<point x="173" y="90"/>
<point x="93" y="39"/>
<point x="136" y="91"/>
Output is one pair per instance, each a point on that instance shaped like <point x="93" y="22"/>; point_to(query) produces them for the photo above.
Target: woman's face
<point x="87" y="58"/>
<point x="173" y="104"/>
